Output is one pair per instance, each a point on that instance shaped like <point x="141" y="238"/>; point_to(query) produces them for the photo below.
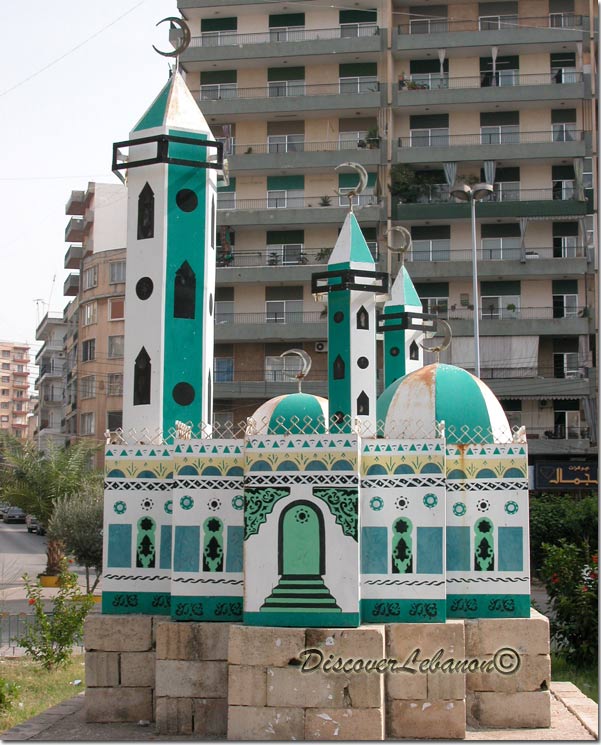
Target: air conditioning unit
<point x="321" y="346"/>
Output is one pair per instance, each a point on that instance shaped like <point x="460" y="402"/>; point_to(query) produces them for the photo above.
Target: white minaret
<point x="170" y="288"/>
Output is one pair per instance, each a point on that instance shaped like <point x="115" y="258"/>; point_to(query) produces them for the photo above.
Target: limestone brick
<point x="247" y="685"/>
<point x="118" y="704"/>
<point x="446" y="686"/>
<point x="259" y="645"/>
<point x="534" y="674"/>
<point x="192" y="641"/>
<point x="291" y="687"/>
<point x="402" y="639"/>
<point x="265" y="723"/>
<point x="426" y="720"/>
<point x="366" y="642"/>
<point x="485" y="636"/>
<point x="529" y="709"/>
<point x="174" y="716"/>
<point x="406" y="686"/>
<point x="117" y="633"/>
<point x="344" y="724"/>
<point x="191" y="679"/>
<point x="210" y="717"/>
<point x="137" y="669"/>
<point x="102" y="669"/>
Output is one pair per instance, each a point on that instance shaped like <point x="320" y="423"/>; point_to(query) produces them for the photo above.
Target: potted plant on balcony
<point x="373" y="138"/>
<point x="325" y="201"/>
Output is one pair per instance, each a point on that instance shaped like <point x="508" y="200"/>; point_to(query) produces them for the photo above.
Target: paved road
<point x="20" y="552"/>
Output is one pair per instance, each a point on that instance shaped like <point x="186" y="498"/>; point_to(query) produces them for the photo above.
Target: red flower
<point x="595" y="558"/>
<point x="554" y="578"/>
<point x="584" y="588"/>
<point x="594" y="575"/>
<point x="31" y="601"/>
<point x="70" y="561"/>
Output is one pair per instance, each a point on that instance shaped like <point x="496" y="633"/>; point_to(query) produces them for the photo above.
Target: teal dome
<point x="412" y="406"/>
<point x="292" y="414"/>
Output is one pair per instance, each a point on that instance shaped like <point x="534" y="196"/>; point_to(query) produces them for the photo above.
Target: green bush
<point x="571" y="577"/>
<point x="8" y="693"/>
<point x="554" y="517"/>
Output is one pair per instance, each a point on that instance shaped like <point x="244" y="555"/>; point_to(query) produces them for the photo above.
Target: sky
<point x="76" y="76"/>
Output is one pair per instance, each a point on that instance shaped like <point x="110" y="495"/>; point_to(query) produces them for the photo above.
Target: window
<point x="115" y="346"/>
<point x="279" y="88"/>
<point x="5" y="391"/>
<point x="115" y="384"/>
<point x="116" y="272"/>
<point x="4" y="418"/>
<point x="218" y="91"/>
<point x="117" y="309"/>
<point x="89" y="313"/>
<point x="114" y="420"/>
<point x="4" y="405"/>
<point x="224" y="305"/>
<point x="286" y="33"/>
<point x="354" y="30"/>
<point x="285" y="253"/>
<point x="497" y="249"/>
<point x="504" y="71"/>
<point x="566" y="241"/>
<point x="428" y="25"/>
<point x="19" y="406"/>
<point x="587" y="173"/>
<point x="351" y="139"/>
<point x="494" y="23"/>
<point x="499" y="306"/>
<point x="563" y="68"/>
<point x="565" y="365"/>
<point x="6" y="365"/>
<point x="430" y="137"/>
<point x="284" y="304"/>
<point x="88" y="350"/>
<point x="290" y="143"/>
<point x="566" y="421"/>
<point x="565" y="306"/>
<point x="224" y="369"/>
<point x="90" y="278"/>
<point x="358" y="84"/>
<point x="280" y="369"/>
<point x="431" y="250"/>
<point x="437" y="305"/>
<point x="508" y="134"/>
<point x="87" y="387"/>
<point x="282" y="198"/>
<point x="5" y="354"/>
<point x="427" y="74"/>
<point x="87" y="423"/>
<point x="564" y="132"/>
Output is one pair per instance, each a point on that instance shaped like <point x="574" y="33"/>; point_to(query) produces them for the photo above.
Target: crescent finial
<point x="184" y="43"/>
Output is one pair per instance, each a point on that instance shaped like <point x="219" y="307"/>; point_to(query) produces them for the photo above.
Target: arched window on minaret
<point x="484" y="547"/>
<point x="402" y="546"/>
<point x="212" y="545"/>
<point x="413" y="351"/>
<point x="146" y="213"/>
<point x="145" y="543"/>
<point x="363" y="404"/>
<point x="184" y="296"/>
<point x="142" y="369"/>
<point x="362" y="319"/>
<point x="339" y="368"/>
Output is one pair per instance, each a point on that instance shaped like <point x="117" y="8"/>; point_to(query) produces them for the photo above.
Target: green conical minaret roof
<point x="173" y="108"/>
<point x="351" y="245"/>
<point x="403" y="290"/>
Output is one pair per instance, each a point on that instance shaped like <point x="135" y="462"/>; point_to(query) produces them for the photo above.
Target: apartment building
<point x="49" y="385"/>
<point x="423" y="96"/>
<point x="94" y="319"/>
<point x="14" y="388"/>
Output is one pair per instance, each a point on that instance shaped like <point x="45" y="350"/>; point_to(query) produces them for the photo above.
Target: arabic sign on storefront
<point x="565" y="475"/>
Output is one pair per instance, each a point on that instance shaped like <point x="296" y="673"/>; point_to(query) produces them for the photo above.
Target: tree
<point x="77" y="523"/>
<point x="34" y="480"/>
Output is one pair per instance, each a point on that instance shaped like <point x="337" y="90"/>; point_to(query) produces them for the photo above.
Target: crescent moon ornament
<point x="305" y="369"/>
<point x="360" y="186"/>
<point x="404" y="241"/>
<point x="184" y="41"/>
<point x="443" y="344"/>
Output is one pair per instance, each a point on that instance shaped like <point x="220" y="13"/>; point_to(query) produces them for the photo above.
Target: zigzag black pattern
<point x="208" y="581"/>
<point x="402" y="479"/>
<point x="199" y="483"/>
<point x="409" y="583"/>
<point x="127" y="485"/>
<point x="489" y="579"/>
<point x="128" y="576"/>
<point x="288" y="477"/>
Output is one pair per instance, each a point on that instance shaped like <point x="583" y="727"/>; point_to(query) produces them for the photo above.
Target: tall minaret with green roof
<point x="352" y="284"/>
<point x="171" y="167"/>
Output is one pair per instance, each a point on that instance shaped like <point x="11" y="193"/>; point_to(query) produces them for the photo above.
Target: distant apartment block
<point x="14" y="388"/>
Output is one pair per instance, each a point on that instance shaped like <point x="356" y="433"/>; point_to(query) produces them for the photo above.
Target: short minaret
<point x="171" y="177"/>
<point x="352" y="285"/>
<point x="402" y="351"/>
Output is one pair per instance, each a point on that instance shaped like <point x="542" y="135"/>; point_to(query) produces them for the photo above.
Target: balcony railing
<point x="233" y="38"/>
<point x="365" y="200"/>
<point x="267" y="318"/>
<point x="483" y="138"/>
<point x="302" y="147"/>
<point x="277" y="257"/>
<point x="558" y="432"/>
<point x="494" y="313"/>
<point x="500" y="79"/>
<point x="501" y="253"/>
<point x="491" y="23"/>
<point x="438" y="194"/>
<point x="296" y="88"/>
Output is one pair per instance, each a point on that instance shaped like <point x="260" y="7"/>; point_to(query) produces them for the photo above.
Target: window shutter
<point x="500" y="288"/>
<point x="278" y="20"/>
<point x="504" y="230"/>
<point x="432" y="289"/>
<point x="275" y="74"/>
<point x="499" y="118"/>
<point x="219" y="24"/>
<point x="565" y="287"/>
<point x="218" y="76"/>
<point x="357" y="69"/>
<point x="277" y="237"/>
<point x="285" y="183"/>
<point x="358" y="16"/>
<point x="430" y="232"/>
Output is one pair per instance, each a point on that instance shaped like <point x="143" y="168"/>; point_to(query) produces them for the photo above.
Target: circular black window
<point x="363" y="362"/>
<point x="183" y="394"/>
<point x="144" y="288"/>
<point x="338" y="316"/>
<point x="186" y="200"/>
<point x="394" y="352"/>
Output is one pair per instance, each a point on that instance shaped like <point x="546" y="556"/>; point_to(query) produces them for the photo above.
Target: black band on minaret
<point x="426" y="322"/>
<point x="349" y="279"/>
<point x="162" y="156"/>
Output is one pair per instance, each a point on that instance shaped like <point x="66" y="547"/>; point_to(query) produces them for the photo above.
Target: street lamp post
<point x="472" y="195"/>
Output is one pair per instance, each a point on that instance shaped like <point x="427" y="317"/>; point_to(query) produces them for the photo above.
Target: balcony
<point x="75" y="230"/>
<point x="270" y="327"/>
<point x="436" y="148"/>
<point x="76" y="203"/>
<point x="302" y="155"/>
<point x="559" y="441"/>
<point x="73" y="257"/>
<point x="50" y="319"/>
<point x="477" y="35"/>
<point x="526" y="321"/>
<point x="298" y="211"/>
<point x="326" y="97"/>
<point x="292" y="43"/>
<point x="71" y="286"/>
<point x="486" y="90"/>
<point x="435" y="203"/>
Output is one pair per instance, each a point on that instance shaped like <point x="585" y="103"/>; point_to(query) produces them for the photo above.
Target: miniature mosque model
<point x="407" y="507"/>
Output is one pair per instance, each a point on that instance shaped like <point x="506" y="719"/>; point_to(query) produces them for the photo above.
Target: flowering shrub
<point x="50" y="638"/>
<point x="571" y="576"/>
<point x="8" y="692"/>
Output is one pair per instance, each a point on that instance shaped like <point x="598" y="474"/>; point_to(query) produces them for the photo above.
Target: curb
<point x="38" y="724"/>
<point x="582" y="707"/>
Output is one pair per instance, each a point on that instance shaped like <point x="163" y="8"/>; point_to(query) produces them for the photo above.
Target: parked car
<point x="14" y="515"/>
<point x="33" y="525"/>
<point x="3" y="507"/>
